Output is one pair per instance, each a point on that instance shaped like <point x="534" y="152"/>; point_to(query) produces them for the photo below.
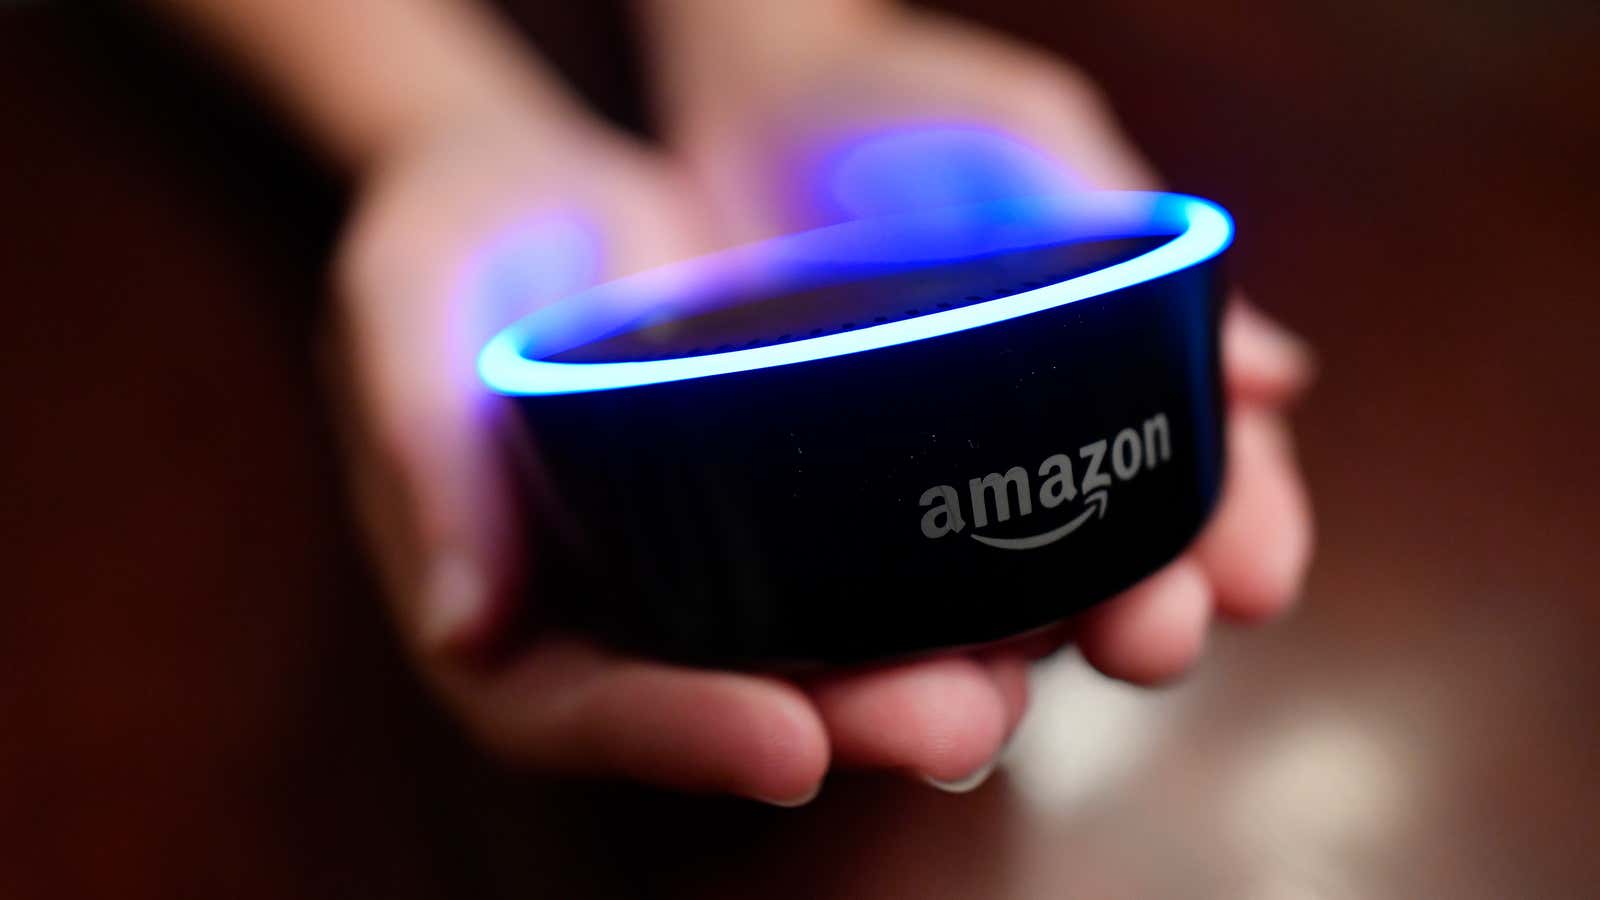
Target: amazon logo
<point x="999" y="496"/>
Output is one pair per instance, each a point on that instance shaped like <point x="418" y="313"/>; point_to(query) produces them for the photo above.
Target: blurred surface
<point x="201" y="698"/>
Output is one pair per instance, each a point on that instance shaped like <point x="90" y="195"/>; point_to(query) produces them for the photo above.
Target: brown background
<point x="199" y="697"/>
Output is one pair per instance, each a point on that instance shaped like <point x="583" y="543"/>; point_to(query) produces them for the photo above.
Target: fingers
<point x="431" y="484"/>
<point x="556" y="706"/>
<point x="943" y="719"/>
<point x="947" y="719"/>
<point x="954" y="71"/>
<point x="423" y="282"/>
<point x="1258" y="545"/>
<point x="1263" y="363"/>
<point x="1154" y="631"/>
<point x="439" y="495"/>
<point x="1010" y="674"/>
<point x="1066" y="114"/>
<point x="566" y="706"/>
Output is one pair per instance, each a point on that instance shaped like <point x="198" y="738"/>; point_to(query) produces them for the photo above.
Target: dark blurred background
<point x="199" y="696"/>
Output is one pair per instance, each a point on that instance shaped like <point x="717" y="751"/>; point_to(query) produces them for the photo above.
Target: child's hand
<point x="796" y="127"/>
<point x="452" y="239"/>
<point x="460" y="228"/>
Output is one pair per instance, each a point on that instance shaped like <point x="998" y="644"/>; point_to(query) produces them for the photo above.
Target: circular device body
<point x="878" y="438"/>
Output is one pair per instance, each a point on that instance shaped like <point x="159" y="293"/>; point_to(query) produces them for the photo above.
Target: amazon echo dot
<point x="878" y="438"/>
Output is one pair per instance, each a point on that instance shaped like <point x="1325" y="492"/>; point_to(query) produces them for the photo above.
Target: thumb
<point x="433" y="485"/>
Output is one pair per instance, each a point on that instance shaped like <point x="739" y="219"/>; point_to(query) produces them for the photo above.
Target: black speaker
<point x="877" y="438"/>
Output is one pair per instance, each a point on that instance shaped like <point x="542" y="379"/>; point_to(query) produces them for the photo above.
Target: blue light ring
<point x="1203" y="231"/>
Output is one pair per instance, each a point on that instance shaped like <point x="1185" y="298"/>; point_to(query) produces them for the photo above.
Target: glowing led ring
<point x="1201" y="230"/>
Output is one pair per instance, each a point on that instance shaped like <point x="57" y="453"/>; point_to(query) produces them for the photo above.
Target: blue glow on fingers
<point x="928" y="166"/>
<point x="1200" y="230"/>
<point x="532" y="261"/>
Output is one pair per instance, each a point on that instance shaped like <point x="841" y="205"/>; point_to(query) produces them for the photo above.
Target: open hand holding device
<point x="484" y="191"/>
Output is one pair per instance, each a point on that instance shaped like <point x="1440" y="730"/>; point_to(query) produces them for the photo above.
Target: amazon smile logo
<point x="989" y="498"/>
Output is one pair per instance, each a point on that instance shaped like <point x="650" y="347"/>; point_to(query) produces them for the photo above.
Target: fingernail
<point x="966" y="783"/>
<point x="1292" y="350"/>
<point x="455" y="599"/>
<point x="792" y="802"/>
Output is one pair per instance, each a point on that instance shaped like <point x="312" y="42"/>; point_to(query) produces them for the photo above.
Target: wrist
<point x="484" y="95"/>
<point x="709" y="53"/>
<point x="729" y="23"/>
